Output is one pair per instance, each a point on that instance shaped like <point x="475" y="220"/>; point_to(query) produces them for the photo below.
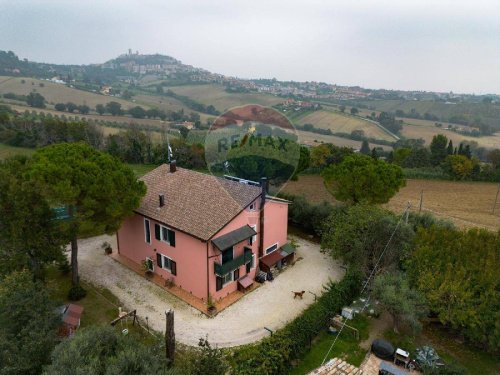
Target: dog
<point x="298" y="294"/>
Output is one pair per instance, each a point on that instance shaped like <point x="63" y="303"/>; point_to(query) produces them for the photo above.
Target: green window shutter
<point x="158" y="260"/>
<point x="173" y="267"/>
<point x="157" y="232"/>
<point x="218" y="283"/>
<point x="171" y="238"/>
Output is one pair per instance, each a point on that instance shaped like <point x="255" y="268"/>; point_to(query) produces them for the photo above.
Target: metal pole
<point x="421" y="201"/>
<point x="496" y="198"/>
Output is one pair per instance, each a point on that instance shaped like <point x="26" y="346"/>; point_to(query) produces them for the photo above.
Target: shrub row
<point x="307" y="216"/>
<point x="274" y="354"/>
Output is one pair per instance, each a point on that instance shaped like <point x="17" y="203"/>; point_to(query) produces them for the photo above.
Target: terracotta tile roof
<point x="195" y="203"/>
<point x="337" y="366"/>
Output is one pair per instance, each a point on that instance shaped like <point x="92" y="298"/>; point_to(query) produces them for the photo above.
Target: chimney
<point x="263" y="192"/>
<point x="162" y="200"/>
<point x="173" y="166"/>
<point x="263" y="186"/>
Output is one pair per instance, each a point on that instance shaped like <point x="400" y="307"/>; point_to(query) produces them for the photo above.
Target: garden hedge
<point x="274" y="354"/>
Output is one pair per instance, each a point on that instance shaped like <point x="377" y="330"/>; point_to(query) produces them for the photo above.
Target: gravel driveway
<point x="271" y="305"/>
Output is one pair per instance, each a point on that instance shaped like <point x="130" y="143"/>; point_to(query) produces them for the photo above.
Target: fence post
<point x="169" y="336"/>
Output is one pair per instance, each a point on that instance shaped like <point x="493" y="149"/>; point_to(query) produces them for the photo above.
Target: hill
<point x="340" y="123"/>
<point x="216" y="95"/>
<point x="56" y="92"/>
<point x="445" y="111"/>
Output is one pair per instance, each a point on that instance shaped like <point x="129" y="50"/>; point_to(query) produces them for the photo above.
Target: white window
<point x="167" y="264"/>
<point x="252" y="206"/>
<point x="147" y="231"/>
<point x="270" y="249"/>
<point x="253" y="239"/>
<point x="165" y="234"/>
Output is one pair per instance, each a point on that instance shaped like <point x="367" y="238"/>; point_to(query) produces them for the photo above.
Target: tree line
<point x="460" y="162"/>
<point x="130" y="146"/>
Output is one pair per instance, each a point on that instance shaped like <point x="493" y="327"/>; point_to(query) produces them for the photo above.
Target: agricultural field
<point x="489" y="113"/>
<point x="56" y="93"/>
<point x="212" y="94"/>
<point x="466" y="204"/>
<point x="415" y="128"/>
<point x="338" y="122"/>
<point x="314" y="139"/>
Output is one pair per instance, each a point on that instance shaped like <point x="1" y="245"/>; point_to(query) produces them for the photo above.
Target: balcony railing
<point x="222" y="269"/>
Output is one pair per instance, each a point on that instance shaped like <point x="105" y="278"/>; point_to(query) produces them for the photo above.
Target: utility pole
<point x="169" y="336"/>
<point x="496" y="198"/>
<point x="421" y="201"/>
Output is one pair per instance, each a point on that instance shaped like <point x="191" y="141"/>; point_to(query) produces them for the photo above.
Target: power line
<point x="369" y="277"/>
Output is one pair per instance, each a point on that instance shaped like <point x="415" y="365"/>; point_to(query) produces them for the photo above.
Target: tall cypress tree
<point x="365" y="148"/>
<point x="450" y="147"/>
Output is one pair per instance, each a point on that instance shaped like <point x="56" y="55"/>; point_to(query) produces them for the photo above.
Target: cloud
<point x="425" y="45"/>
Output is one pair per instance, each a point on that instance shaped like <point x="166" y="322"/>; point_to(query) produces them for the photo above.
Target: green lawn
<point x="101" y="307"/>
<point x="346" y="347"/>
<point x="141" y="169"/>
<point x="8" y="151"/>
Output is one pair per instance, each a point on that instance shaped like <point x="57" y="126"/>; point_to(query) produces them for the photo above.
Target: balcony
<point x="222" y="269"/>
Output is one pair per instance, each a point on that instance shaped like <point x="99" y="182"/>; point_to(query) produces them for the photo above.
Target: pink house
<point x="209" y="235"/>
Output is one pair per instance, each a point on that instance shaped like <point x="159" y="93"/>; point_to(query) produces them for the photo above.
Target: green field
<point x="213" y="94"/>
<point x="8" y="151"/>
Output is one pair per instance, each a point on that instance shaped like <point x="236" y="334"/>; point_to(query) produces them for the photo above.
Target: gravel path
<point x="271" y="305"/>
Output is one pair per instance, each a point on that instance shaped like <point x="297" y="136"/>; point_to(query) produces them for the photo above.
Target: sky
<point x="438" y="45"/>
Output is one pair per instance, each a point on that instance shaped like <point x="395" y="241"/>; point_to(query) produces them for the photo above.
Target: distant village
<point x="140" y="64"/>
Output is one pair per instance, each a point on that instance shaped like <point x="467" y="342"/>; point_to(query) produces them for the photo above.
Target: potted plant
<point x="147" y="266"/>
<point x="107" y="248"/>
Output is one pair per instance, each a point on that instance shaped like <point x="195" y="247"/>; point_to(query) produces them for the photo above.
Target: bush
<point x="76" y="293"/>
<point x="308" y="216"/>
<point x="64" y="266"/>
<point x="274" y="354"/>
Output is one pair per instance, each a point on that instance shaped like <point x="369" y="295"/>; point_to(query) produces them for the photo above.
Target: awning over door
<point x="277" y="255"/>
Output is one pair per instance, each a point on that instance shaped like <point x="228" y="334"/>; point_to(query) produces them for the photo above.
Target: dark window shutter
<point x="157" y="232"/>
<point x="173" y="267"/>
<point x="218" y="283"/>
<point x="158" y="260"/>
<point x="171" y="239"/>
<point x="236" y="275"/>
